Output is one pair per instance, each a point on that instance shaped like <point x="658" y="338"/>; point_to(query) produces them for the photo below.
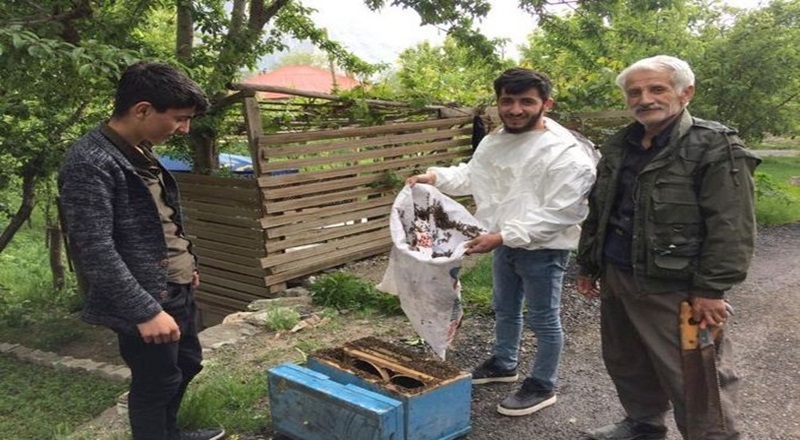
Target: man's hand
<point x="195" y="279"/>
<point x="588" y="287"/>
<point x="484" y="243"/>
<point x="429" y="178"/>
<point x="161" y="329"/>
<point x="709" y="311"/>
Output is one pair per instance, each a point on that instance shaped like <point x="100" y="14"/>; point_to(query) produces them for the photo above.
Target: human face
<point x="157" y="126"/>
<point x="523" y="111"/>
<point x="653" y="99"/>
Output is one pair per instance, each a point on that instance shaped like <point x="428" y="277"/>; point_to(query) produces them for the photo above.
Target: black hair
<point x="162" y="85"/>
<point x="518" y="80"/>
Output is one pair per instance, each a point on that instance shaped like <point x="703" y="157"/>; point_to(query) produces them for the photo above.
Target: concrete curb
<point x="48" y="359"/>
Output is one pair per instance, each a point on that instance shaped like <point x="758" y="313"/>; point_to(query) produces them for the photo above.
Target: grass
<point x="227" y="398"/>
<point x="476" y="287"/>
<point x="778" y="202"/>
<point x="778" y="143"/>
<point x="39" y="402"/>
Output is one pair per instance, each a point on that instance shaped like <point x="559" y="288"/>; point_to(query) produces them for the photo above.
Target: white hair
<point x="681" y="74"/>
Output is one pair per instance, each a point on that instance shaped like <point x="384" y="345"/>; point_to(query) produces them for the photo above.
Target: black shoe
<point x="629" y="429"/>
<point x="528" y="399"/>
<point x="488" y="372"/>
<point x="200" y="434"/>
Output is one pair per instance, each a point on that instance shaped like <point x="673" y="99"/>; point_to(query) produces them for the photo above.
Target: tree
<point x="450" y="73"/>
<point x="750" y="77"/>
<point x="59" y="59"/>
<point x="584" y="50"/>
<point x="730" y="51"/>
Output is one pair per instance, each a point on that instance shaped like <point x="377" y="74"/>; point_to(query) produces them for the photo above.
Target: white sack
<point x="429" y="231"/>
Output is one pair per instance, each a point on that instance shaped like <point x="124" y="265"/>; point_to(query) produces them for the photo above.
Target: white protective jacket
<point x="530" y="187"/>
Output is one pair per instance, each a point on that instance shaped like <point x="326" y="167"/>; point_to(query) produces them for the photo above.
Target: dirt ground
<point x="766" y="333"/>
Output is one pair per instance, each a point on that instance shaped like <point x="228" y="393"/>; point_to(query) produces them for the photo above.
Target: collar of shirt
<point x="141" y="157"/>
<point x="660" y="141"/>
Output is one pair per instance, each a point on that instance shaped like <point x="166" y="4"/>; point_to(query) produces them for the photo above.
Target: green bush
<point x="281" y="318"/>
<point x="345" y="291"/>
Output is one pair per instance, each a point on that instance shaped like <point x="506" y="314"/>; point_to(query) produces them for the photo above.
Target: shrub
<point x="345" y="291"/>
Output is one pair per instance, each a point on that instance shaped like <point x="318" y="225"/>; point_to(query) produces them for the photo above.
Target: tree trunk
<point x="25" y="208"/>
<point x="184" y="38"/>
<point x="204" y="150"/>
<point x="55" y="238"/>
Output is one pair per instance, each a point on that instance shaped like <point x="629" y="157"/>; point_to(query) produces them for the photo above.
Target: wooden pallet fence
<point x="223" y="220"/>
<point x="327" y="195"/>
<point x="318" y="198"/>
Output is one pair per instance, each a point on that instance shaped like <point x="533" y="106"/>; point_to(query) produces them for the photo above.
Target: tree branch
<point x="260" y="15"/>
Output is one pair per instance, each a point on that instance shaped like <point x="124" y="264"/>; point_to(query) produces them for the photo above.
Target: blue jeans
<point x="537" y="277"/>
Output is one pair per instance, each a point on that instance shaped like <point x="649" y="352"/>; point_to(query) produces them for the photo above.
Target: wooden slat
<point x="252" y="117"/>
<point x="210" y="262"/>
<point x="234" y="284"/>
<point x="375" y="249"/>
<point x="216" y="218"/>
<point x="323" y="213"/>
<point x="320" y="135"/>
<point x="364" y="178"/>
<point x="201" y="179"/>
<point x="318" y="222"/>
<point x="248" y="212"/>
<point x="315" y="188"/>
<point x="281" y="150"/>
<point x="350" y="159"/>
<point x="212" y="233"/>
<point x="346" y="196"/>
<point x="322" y="235"/>
<point x="218" y="255"/>
<point x="317" y="175"/>
<point x="217" y="304"/>
<point x="287" y="261"/>
<point x="209" y="192"/>
<point x="250" y="204"/>
<point x="203" y="243"/>
<point x="222" y="294"/>
<point x="199" y="227"/>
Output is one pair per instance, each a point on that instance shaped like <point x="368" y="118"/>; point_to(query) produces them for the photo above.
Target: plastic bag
<point x="429" y="231"/>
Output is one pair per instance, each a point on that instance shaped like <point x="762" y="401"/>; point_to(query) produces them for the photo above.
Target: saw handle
<point x="690" y="331"/>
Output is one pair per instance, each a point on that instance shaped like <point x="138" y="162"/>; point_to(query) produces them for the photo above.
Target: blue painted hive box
<point x="436" y="397"/>
<point x="307" y="405"/>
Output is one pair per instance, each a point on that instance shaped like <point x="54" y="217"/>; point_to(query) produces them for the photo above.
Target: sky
<point x="381" y="36"/>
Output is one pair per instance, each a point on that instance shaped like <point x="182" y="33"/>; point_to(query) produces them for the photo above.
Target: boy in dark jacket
<point x="123" y="219"/>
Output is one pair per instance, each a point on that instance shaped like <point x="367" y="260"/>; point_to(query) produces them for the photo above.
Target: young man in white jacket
<point x="530" y="181"/>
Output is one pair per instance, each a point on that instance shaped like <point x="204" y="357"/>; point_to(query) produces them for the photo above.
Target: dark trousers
<point x="160" y="373"/>
<point x="642" y="354"/>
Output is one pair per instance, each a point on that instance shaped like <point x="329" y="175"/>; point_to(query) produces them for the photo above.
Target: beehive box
<point x="307" y="405"/>
<point x="435" y="396"/>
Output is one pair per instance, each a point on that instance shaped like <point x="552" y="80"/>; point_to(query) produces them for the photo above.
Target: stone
<point x="287" y="301"/>
<point x="794" y="181"/>
<point x="7" y="348"/>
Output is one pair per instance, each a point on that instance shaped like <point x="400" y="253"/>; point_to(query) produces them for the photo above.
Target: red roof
<point x="305" y="78"/>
